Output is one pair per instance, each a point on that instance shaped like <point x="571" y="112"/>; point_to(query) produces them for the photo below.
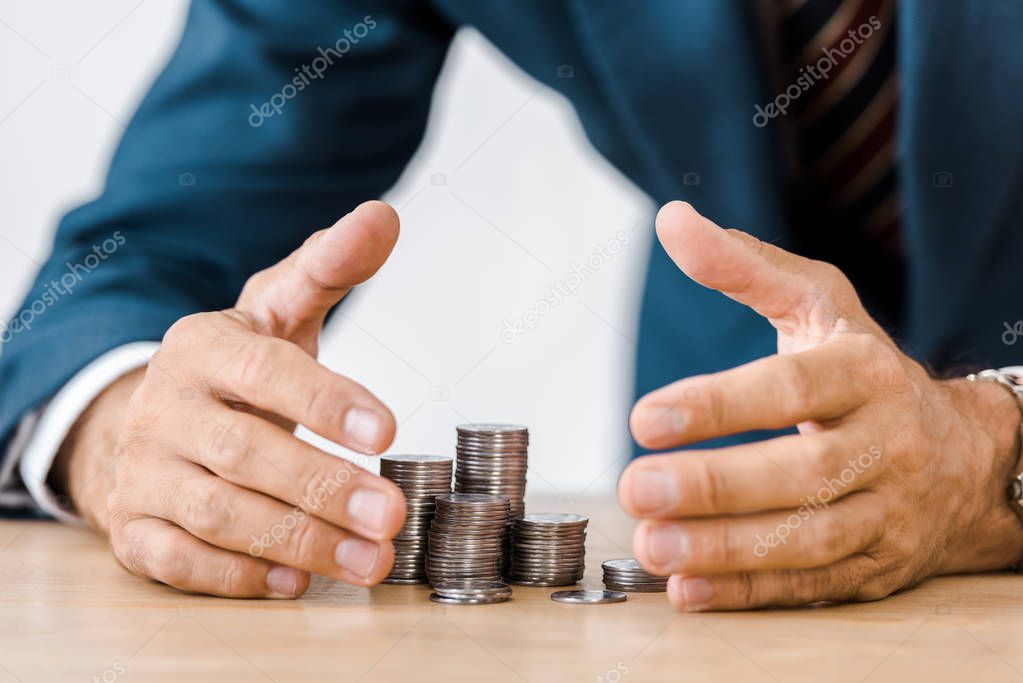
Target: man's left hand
<point x="893" y="477"/>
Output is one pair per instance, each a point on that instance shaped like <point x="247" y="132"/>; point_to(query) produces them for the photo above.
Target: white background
<point x="524" y="198"/>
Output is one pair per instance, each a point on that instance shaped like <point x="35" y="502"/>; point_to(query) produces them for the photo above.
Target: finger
<point x="277" y="377"/>
<point x="806" y="537"/>
<point x="159" y="550"/>
<point x="769" y="393"/>
<point x="261" y="456"/>
<point x="786" y="472"/>
<point x="840" y="582"/>
<point x="291" y="298"/>
<point x="231" y="517"/>
<point x="785" y="288"/>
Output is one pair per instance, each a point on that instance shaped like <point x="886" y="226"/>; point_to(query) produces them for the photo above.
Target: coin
<point x="588" y="597"/>
<point x="548" y="549"/>
<point x="421" y="478"/>
<point x="470" y="589"/>
<point x="444" y="600"/>
<point x="627" y="574"/>
<point x="466" y="541"/>
<point x="492" y="458"/>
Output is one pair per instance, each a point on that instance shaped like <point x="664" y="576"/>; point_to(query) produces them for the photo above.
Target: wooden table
<point x="68" y="612"/>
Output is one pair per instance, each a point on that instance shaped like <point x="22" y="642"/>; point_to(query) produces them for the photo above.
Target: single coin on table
<point x="588" y="597"/>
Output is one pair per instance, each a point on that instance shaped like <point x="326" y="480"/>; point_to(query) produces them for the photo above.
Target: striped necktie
<point x="841" y="54"/>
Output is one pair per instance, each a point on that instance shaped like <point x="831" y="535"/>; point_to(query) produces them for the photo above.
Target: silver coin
<point x="558" y="518"/>
<point x="421" y="478"/>
<point x="419" y="459"/>
<point x="491" y="427"/>
<point x="588" y="597"/>
<point x="444" y="600"/>
<point x="472" y="589"/>
<point x="623" y="564"/>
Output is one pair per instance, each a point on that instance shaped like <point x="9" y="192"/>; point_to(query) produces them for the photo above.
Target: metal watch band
<point x="1014" y="384"/>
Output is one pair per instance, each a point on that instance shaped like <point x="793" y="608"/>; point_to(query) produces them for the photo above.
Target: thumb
<point x="783" y="287"/>
<point x="291" y="299"/>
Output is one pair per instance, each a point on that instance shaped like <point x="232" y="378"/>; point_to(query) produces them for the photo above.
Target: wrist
<point x="999" y="409"/>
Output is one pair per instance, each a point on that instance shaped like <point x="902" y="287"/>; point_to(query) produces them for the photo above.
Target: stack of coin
<point x="628" y="575"/>
<point x="548" y="549"/>
<point x="471" y="593"/>
<point x="492" y="459"/>
<point x="466" y="539"/>
<point x="421" y="478"/>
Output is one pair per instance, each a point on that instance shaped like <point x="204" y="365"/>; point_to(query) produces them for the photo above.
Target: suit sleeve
<point x="271" y="120"/>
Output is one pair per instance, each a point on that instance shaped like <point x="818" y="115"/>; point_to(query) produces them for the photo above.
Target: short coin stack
<point x="466" y="539"/>
<point x="492" y="458"/>
<point x="471" y="593"/>
<point x="628" y="575"/>
<point x="548" y="549"/>
<point x="421" y="478"/>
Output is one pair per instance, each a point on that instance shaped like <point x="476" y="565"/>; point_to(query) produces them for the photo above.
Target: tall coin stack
<point x="421" y="478"/>
<point x="548" y="549"/>
<point x="466" y="539"/>
<point x="491" y="458"/>
<point x="628" y="575"/>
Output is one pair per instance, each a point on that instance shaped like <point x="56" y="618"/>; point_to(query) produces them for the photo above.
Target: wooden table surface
<point x="68" y="612"/>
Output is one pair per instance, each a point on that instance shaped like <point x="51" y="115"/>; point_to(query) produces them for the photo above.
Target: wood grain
<point x="68" y="612"/>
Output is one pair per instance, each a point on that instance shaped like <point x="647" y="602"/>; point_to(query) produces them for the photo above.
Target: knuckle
<point x="168" y="565"/>
<point x="119" y="509"/>
<point x="885" y="363"/>
<point x="224" y="449"/>
<point x="318" y="486"/>
<point x="253" y="367"/>
<point x="873" y="589"/>
<point x="819" y="460"/>
<point x="732" y="550"/>
<point x="796" y="385"/>
<point x="323" y="402"/>
<point x="707" y="486"/>
<point x="234" y="578"/>
<point x="745" y="590"/>
<point x="257" y="282"/>
<point x="712" y="405"/>
<point x="129" y="551"/>
<point x="204" y="510"/>
<point x="183" y="332"/>
<point x="830" y="273"/>
<point x="824" y="539"/>
<point x="787" y="588"/>
<point x="304" y="543"/>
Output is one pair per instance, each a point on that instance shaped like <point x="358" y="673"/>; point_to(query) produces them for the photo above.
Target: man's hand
<point x="192" y="468"/>
<point x="893" y="477"/>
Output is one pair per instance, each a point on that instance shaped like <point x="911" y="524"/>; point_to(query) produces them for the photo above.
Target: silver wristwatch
<point x="1011" y="379"/>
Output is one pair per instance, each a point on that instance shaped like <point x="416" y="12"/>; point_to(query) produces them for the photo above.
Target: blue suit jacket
<point x="663" y="87"/>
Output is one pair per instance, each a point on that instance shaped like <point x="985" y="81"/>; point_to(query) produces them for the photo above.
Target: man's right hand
<point x="191" y="467"/>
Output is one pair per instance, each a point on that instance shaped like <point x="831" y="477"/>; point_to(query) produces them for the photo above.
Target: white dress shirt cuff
<point x="42" y="433"/>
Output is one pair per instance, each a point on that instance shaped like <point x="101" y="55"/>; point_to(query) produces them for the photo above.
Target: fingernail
<point x="662" y="423"/>
<point x="282" y="582"/>
<point x="696" y="591"/>
<point x="357" y="556"/>
<point x="666" y="545"/>
<point x="653" y="490"/>
<point x="368" y="508"/>
<point x="363" y="425"/>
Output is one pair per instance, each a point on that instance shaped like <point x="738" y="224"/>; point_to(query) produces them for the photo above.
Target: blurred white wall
<point x="504" y="201"/>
